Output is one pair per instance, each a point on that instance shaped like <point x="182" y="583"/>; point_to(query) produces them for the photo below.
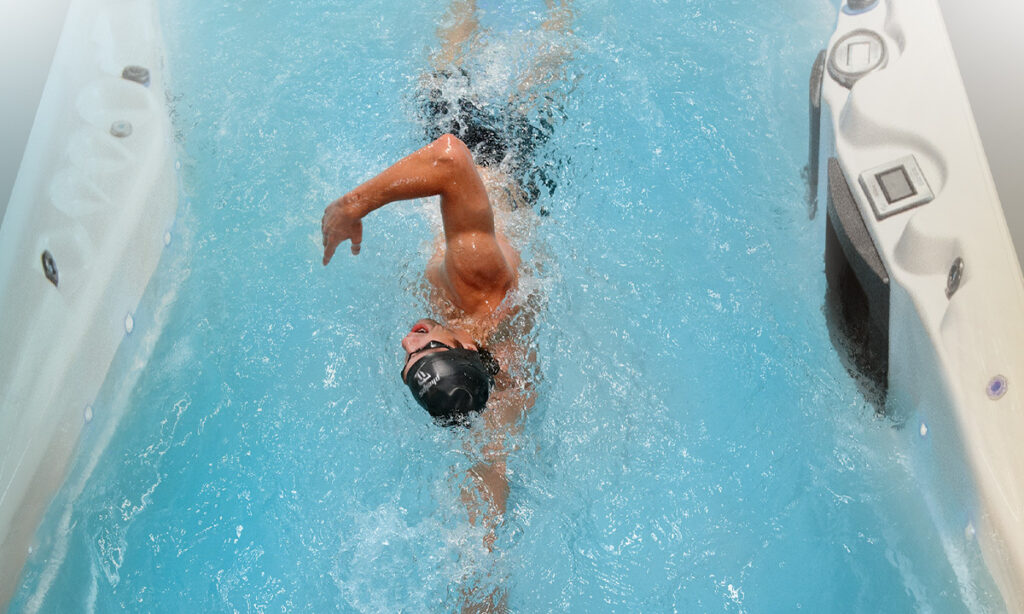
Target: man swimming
<point x="475" y="268"/>
<point x="448" y="372"/>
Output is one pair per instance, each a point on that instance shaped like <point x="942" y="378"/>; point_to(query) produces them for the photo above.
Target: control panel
<point x="895" y="186"/>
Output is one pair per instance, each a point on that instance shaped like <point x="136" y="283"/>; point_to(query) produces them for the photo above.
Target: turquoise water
<point x="696" y="444"/>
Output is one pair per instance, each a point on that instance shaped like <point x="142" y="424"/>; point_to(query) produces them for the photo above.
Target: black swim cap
<point x="452" y="383"/>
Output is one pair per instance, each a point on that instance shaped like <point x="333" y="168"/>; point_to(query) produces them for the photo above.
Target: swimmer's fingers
<point x="357" y="237"/>
<point x="353" y="230"/>
<point x="331" y="239"/>
<point x="340" y="224"/>
<point x="329" y="252"/>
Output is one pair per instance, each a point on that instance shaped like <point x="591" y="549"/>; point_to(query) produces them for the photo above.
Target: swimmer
<point x="449" y="372"/>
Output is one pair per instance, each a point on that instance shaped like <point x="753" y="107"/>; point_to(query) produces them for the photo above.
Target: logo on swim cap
<point x="451" y="384"/>
<point x="425" y="381"/>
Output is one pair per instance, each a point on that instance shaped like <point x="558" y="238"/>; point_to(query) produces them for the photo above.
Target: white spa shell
<point x="101" y="205"/>
<point x="955" y="364"/>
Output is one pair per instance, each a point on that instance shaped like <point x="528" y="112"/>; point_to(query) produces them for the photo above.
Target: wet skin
<point x="426" y="330"/>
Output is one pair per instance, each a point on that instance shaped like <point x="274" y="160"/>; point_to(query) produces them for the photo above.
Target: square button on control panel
<point x="895" y="186"/>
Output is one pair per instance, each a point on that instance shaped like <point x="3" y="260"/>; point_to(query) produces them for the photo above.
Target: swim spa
<point x="250" y="447"/>
<point x="911" y="204"/>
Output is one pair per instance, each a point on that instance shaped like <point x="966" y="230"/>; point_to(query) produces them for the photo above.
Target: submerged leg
<point x="548" y="66"/>
<point x="496" y="602"/>
<point x="559" y="15"/>
<point x="455" y="35"/>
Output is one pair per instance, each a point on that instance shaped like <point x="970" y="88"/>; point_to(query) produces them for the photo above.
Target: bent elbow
<point x="450" y="149"/>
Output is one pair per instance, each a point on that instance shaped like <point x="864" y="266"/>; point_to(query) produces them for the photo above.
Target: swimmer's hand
<point x="341" y="222"/>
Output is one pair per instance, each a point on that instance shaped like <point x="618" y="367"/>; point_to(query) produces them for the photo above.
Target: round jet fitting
<point x="138" y="74"/>
<point x="956" y="275"/>
<point x="855" y="55"/>
<point x="121" y="129"/>
<point x="996" y="388"/>
<point x="50" y="268"/>
<point x="860" y="6"/>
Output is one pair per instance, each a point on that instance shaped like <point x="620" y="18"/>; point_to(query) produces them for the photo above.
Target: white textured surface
<point x="943" y="352"/>
<point x="101" y="205"/>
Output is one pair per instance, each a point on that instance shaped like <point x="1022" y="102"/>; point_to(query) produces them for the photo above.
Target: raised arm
<point x="474" y="258"/>
<point x="445" y="168"/>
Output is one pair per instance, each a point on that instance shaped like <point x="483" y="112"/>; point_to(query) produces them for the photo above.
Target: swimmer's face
<point x="426" y="330"/>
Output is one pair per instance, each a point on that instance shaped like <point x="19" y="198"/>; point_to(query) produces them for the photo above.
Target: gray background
<point x="988" y="39"/>
<point x="28" y="37"/>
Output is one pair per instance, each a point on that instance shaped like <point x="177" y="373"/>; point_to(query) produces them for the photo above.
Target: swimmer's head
<point x="447" y="373"/>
